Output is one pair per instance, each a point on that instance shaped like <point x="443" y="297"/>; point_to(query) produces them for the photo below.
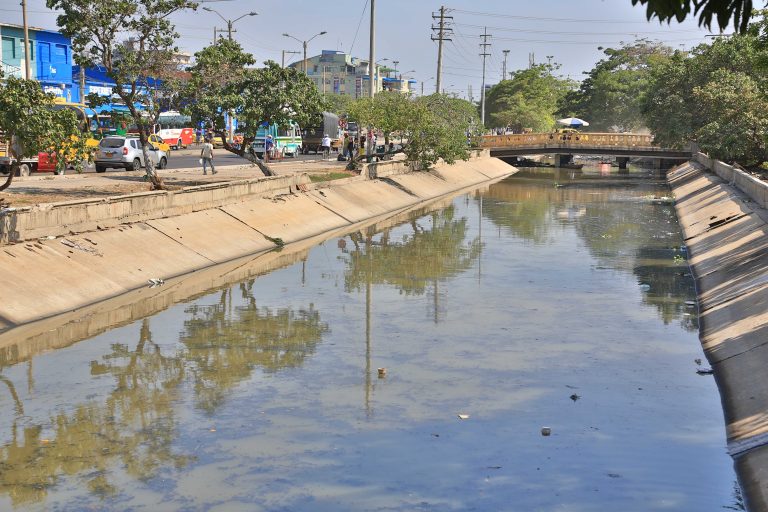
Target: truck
<point x="312" y="137"/>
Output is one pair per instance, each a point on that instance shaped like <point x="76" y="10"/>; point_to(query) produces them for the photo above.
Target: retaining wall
<point x="80" y="253"/>
<point x="724" y="221"/>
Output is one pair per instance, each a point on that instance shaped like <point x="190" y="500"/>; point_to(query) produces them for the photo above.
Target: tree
<point x="32" y="125"/>
<point x="735" y="118"/>
<point x="96" y="28"/>
<point x="528" y="100"/>
<point x="222" y="84"/>
<point x="430" y="128"/>
<point x="611" y="96"/>
<point x="337" y="103"/>
<point x="714" y="96"/>
<point x="707" y="10"/>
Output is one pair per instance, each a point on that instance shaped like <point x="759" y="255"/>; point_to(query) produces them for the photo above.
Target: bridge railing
<point x="568" y="140"/>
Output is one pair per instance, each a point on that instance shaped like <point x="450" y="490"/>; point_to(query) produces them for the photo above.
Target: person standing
<point x="206" y="154"/>
<point x="325" y="146"/>
<point x="351" y="147"/>
<point x="268" y="147"/>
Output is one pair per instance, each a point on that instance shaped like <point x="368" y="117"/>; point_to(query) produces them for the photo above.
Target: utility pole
<point x="443" y="34"/>
<point x="484" y="49"/>
<point x="372" y="53"/>
<point x="27" y="44"/>
<point x="504" y="66"/>
<point x="469" y="92"/>
<point x="287" y="51"/>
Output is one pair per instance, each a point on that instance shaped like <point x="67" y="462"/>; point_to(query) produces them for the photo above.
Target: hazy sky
<point x="567" y="31"/>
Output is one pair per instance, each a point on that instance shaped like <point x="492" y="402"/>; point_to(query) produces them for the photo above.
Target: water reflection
<point x="641" y="237"/>
<point x="434" y="249"/>
<point x="134" y="426"/>
<point x="224" y="342"/>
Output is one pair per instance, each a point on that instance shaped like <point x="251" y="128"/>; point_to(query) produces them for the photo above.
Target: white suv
<point x="126" y="153"/>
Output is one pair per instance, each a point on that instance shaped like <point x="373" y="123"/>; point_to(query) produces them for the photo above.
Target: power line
<point x="560" y="32"/>
<point x="537" y="18"/>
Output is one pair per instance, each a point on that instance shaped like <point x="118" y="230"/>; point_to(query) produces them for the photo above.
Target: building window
<point x="9" y="49"/>
<point x="61" y="53"/>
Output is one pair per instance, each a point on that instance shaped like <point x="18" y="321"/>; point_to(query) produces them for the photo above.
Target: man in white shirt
<point x="206" y="155"/>
<point x="325" y="145"/>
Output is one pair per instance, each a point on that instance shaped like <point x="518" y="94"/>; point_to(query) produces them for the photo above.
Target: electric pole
<point x="443" y="34"/>
<point x="372" y="55"/>
<point x="484" y="49"/>
<point x="27" y="44"/>
<point x="504" y="66"/>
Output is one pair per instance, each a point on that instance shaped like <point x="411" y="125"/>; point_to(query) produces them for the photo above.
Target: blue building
<point x="50" y="58"/>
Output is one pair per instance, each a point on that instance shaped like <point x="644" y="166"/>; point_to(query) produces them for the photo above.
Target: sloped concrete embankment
<point x="725" y="225"/>
<point x="70" y="255"/>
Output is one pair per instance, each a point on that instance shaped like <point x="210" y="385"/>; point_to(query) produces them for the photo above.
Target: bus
<point x="175" y="129"/>
<point x="287" y="140"/>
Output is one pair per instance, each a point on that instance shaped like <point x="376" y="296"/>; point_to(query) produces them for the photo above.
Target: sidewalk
<point x="47" y="188"/>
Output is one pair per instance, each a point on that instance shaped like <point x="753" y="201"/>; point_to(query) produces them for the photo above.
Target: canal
<point x="412" y="365"/>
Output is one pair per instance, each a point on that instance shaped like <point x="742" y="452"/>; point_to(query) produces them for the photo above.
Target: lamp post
<point x="425" y="81"/>
<point x="304" y="44"/>
<point x="228" y="22"/>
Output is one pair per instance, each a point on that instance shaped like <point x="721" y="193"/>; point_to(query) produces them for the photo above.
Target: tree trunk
<point x="9" y="179"/>
<point x="244" y="152"/>
<point x="149" y="165"/>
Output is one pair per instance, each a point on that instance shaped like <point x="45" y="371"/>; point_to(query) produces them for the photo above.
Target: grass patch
<point x="316" y="178"/>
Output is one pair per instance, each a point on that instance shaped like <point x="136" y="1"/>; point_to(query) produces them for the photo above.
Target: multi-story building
<point x="50" y="58"/>
<point x="336" y="72"/>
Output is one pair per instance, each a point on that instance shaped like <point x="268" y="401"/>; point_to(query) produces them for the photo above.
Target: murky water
<point x="542" y="301"/>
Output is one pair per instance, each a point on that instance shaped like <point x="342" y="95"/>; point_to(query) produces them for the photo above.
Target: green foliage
<point x="30" y="119"/>
<point x="708" y="11"/>
<point x="528" y="100"/>
<point x="611" y="96"/>
<point x="433" y="127"/>
<point x="222" y="81"/>
<point x="713" y="96"/>
<point x="337" y="103"/>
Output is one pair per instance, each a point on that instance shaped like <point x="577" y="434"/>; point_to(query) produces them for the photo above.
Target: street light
<point x="425" y="81"/>
<point x="304" y="44"/>
<point x="229" y="22"/>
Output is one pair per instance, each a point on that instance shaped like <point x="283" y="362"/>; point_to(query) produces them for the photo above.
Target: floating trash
<point x="644" y="287"/>
<point x="463" y="416"/>
<point x="704" y="371"/>
<point x="382" y="372"/>
<point x="546" y="431"/>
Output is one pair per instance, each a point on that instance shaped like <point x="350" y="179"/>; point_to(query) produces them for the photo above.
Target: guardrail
<point x="567" y="140"/>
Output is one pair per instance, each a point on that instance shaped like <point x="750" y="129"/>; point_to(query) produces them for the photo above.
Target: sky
<point x="566" y="32"/>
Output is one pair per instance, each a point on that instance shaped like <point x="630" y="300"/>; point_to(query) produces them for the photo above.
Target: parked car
<point x="126" y="153"/>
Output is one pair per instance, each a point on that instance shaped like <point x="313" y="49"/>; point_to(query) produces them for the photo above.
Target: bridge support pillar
<point x="622" y="161"/>
<point x="561" y="159"/>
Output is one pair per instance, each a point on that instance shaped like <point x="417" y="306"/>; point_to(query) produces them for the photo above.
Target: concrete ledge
<point x="721" y="211"/>
<point x="91" y="214"/>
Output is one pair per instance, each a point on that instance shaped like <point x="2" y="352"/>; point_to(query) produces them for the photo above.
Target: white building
<point x="335" y="72"/>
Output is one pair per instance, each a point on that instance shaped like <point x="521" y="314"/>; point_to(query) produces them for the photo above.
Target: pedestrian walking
<point x="268" y="148"/>
<point x="350" y="147"/>
<point x="325" y="146"/>
<point x="206" y="155"/>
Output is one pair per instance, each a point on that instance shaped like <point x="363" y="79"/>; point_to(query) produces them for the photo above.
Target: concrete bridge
<point x="564" y="145"/>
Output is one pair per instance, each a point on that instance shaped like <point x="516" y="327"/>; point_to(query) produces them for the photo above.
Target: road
<point x="190" y="158"/>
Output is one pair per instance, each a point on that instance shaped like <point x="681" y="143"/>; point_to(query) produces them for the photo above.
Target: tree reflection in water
<point x="423" y="256"/>
<point x="620" y="224"/>
<point x="224" y="343"/>
<point x="133" y="429"/>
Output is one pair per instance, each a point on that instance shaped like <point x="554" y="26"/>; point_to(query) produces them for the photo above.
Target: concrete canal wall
<point x="63" y="257"/>
<point x="723" y="214"/>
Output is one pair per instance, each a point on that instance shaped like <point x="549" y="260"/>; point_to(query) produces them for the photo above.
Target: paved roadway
<point x="190" y="158"/>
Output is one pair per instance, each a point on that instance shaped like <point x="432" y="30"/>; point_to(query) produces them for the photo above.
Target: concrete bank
<point x="61" y="257"/>
<point x="725" y="224"/>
